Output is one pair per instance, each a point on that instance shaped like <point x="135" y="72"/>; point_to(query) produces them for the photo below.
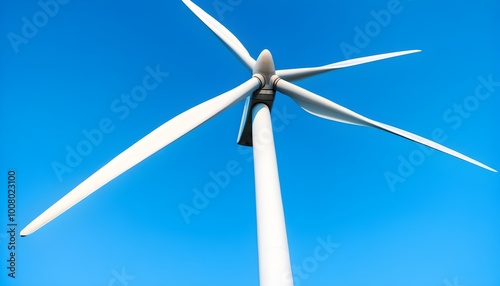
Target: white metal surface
<point x="151" y="143"/>
<point x="274" y="259"/>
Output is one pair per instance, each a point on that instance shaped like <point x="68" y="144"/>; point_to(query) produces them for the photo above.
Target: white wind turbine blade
<point x="224" y="35"/>
<point x="300" y="73"/>
<point x="327" y="109"/>
<point x="151" y="143"/>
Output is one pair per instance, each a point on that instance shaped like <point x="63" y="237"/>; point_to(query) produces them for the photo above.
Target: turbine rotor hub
<point x="265" y="72"/>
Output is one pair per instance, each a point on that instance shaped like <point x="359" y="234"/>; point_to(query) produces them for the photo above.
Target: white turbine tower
<point x="255" y="130"/>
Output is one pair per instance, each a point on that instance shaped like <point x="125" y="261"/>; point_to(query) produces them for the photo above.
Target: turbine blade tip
<point x="488" y="168"/>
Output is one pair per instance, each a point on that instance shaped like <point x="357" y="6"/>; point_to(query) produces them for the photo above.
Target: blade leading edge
<point x="327" y="109"/>
<point x="223" y="34"/>
<point x="301" y="73"/>
<point x="151" y="143"/>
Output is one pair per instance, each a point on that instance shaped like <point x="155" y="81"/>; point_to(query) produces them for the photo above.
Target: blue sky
<point x="437" y="224"/>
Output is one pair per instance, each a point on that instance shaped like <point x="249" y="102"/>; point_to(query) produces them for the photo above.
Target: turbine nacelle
<point x="263" y="70"/>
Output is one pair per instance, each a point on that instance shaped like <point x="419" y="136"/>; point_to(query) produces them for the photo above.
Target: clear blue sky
<point x="435" y="223"/>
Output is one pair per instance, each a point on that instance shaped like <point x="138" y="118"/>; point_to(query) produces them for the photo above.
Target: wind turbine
<point x="255" y="130"/>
